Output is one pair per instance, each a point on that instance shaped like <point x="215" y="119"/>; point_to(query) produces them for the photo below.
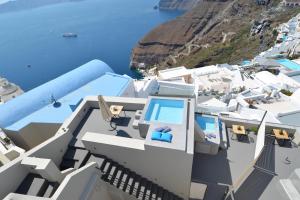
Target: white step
<point x="295" y="178"/>
<point x="290" y="189"/>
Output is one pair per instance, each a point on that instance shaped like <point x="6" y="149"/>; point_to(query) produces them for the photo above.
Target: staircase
<point x="292" y="185"/>
<point x="35" y="185"/>
<point x="130" y="182"/>
<point x="75" y="157"/>
<point x="115" y="174"/>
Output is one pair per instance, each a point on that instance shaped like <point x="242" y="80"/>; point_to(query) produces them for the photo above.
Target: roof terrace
<point x="94" y="122"/>
<point x="253" y="175"/>
<point x="225" y="168"/>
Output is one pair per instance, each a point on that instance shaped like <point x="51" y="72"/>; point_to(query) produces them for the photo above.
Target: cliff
<point x="170" y="36"/>
<point x="177" y="4"/>
<point x="212" y="32"/>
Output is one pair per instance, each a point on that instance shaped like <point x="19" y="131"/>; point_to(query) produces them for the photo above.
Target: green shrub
<point x="286" y="92"/>
<point x="253" y="129"/>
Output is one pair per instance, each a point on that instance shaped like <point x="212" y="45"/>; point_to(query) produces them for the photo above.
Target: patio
<point x="277" y="163"/>
<point x="224" y="168"/>
<point x="94" y="122"/>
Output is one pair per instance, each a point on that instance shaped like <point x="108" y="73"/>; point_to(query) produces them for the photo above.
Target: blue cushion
<point x="167" y="129"/>
<point x="166" y="137"/>
<point x="156" y="135"/>
<point x="160" y="129"/>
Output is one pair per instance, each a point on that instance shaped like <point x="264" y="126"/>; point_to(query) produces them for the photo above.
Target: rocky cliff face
<point x="212" y="32"/>
<point x="177" y="4"/>
<point x="173" y="35"/>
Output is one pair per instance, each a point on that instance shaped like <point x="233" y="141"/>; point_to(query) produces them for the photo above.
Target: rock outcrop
<point x="177" y="4"/>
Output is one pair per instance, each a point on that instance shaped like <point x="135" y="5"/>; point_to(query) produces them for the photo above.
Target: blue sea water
<point x="107" y="30"/>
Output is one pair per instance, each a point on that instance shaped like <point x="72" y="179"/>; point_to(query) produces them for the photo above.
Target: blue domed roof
<point x="43" y="95"/>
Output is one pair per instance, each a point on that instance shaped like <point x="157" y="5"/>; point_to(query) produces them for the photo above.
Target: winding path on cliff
<point x="189" y="49"/>
<point x="197" y="37"/>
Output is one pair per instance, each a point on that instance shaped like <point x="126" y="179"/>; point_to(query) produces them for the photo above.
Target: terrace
<point x="277" y="162"/>
<point x="238" y="166"/>
<point x="225" y="168"/>
<point x="214" y="78"/>
<point x="128" y="145"/>
<point x="94" y="122"/>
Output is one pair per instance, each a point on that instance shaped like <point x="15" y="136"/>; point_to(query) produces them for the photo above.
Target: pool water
<point x="165" y="110"/>
<point x="289" y="64"/>
<point x="246" y="62"/>
<point x="207" y="124"/>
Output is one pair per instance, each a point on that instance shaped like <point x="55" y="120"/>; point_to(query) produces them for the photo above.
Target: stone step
<point x="118" y="176"/>
<point x="75" y="143"/>
<point x="50" y="189"/>
<point x="124" y="179"/>
<point x="130" y="185"/>
<point x="33" y="185"/>
<point x="290" y="189"/>
<point x="106" y="166"/>
<point x="142" y="189"/>
<point x="148" y="191"/>
<point x="135" y="185"/>
<point x="66" y="164"/>
<point x="111" y="172"/>
<point x="114" y="175"/>
<point x="75" y="154"/>
<point x="99" y="160"/>
<point x="154" y="192"/>
<point x="295" y="179"/>
<point x="160" y="193"/>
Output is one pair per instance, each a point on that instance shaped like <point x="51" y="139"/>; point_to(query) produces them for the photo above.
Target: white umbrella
<point x="104" y="109"/>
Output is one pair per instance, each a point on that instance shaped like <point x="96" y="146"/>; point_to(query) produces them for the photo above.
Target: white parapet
<point x="44" y="167"/>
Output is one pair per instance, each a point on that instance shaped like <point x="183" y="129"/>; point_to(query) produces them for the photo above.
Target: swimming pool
<point x="165" y="110"/>
<point x="207" y="124"/>
<point x="289" y="64"/>
<point x="246" y="62"/>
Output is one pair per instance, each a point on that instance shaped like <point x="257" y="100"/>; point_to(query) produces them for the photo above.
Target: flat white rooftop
<point x="173" y="73"/>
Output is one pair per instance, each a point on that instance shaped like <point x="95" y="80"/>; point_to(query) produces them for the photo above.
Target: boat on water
<point x="70" y="35"/>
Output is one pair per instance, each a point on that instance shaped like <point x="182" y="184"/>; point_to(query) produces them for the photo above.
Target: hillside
<point x="212" y="32"/>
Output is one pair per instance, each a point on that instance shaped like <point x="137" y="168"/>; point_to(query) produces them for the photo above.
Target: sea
<point x="33" y="51"/>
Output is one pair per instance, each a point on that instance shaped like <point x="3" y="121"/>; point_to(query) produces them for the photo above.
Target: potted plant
<point x="253" y="130"/>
